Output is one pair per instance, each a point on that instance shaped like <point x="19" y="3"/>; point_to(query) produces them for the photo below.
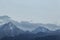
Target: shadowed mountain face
<point x="9" y="29"/>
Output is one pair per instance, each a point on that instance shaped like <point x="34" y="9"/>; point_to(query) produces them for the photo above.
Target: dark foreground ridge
<point x="31" y="36"/>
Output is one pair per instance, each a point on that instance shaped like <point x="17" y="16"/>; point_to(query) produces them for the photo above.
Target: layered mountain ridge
<point x="13" y="28"/>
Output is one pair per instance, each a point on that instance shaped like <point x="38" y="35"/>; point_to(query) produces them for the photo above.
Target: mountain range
<point x="11" y="28"/>
<point x="25" y="25"/>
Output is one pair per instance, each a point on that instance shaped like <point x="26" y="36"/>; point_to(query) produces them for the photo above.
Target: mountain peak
<point x="40" y="29"/>
<point x="10" y="23"/>
<point x="5" y="16"/>
<point x="10" y="29"/>
<point x="4" y="19"/>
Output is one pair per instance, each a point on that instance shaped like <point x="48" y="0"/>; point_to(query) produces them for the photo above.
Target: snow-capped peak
<point x="10" y="29"/>
<point x="40" y="29"/>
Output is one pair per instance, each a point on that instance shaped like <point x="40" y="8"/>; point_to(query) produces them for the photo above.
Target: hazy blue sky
<point x="43" y="11"/>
